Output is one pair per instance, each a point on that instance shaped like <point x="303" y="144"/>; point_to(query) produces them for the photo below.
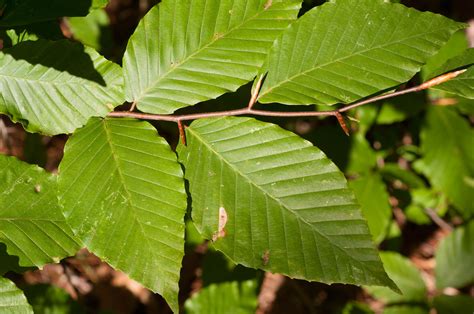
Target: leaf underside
<point x="346" y="50"/>
<point x="41" y="88"/>
<point x="288" y="206"/>
<point x="123" y="193"/>
<point x="31" y="222"/>
<point x="185" y="52"/>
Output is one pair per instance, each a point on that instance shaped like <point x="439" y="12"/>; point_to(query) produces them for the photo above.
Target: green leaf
<point x="31" y="223"/>
<point x="463" y="84"/>
<point x="23" y="12"/>
<point x="356" y="308"/>
<point x="12" y="299"/>
<point x="345" y="50"/>
<point x="185" y="52"/>
<point x="92" y="30"/>
<point x="455" y="257"/>
<point x="405" y="309"/>
<point x="392" y="171"/>
<point x="455" y="46"/>
<point x="229" y="297"/>
<point x="401" y="108"/>
<point x="41" y="88"/>
<point x="46" y="30"/>
<point x="99" y="4"/>
<point x="463" y="60"/>
<point x="123" y="194"/>
<point x="448" y="162"/>
<point x="362" y="158"/>
<point x="288" y="207"/>
<point x="405" y="275"/>
<point x="422" y="199"/>
<point x="372" y="196"/>
<point x="47" y="299"/>
<point x="457" y="304"/>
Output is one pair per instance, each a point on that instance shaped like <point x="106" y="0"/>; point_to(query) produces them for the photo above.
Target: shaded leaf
<point x="185" y="52"/>
<point x="370" y="191"/>
<point x="47" y="93"/>
<point x="457" y="304"/>
<point x="12" y="299"/>
<point x="405" y="309"/>
<point x="407" y="277"/>
<point x="401" y="108"/>
<point x="362" y="158"/>
<point x="124" y="196"/>
<point x="9" y="262"/>
<point x="455" y="46"/>
<point x="357" y="308"/>
<point x="392" y="171"/>
<point x="47" y="299"/>
<point x="288" y="206"/>
<point x="448" y="162"/>
<point x="46" y="30"/>
<point x="22" y="12"/>
<point x="345" y="50"/>
<point x="92" y="30"/>
<point x="31" y="222"/>
<point x="463" y="60"/>
<point x="229" y="297"/>
<point x="455" y="257"/>
<point x="463" y="84"/>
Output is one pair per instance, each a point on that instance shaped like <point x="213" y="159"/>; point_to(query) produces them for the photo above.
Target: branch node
<point x="341" y="121"/>
<point x="182" y="134"/>
<point x="440" y="79"/>
<point x="254" y="97"/>
<point x="134" y="105"/>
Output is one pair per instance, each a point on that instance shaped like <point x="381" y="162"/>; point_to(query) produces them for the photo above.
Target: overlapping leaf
<point x="463" y="84"/>
<point x="12" y="299"/>
<point x="373" y="198"/>
<point x="228" y="297"/>
<point x="455" y="257"/>
<point x="448" y="162"/>
<point x="345" y="50"/>
<point x="271" y="200"/>
<point x="406" y="276"/>
<point x="31" y="222"/>
<point x="23" y="12"/>
<point x="55" y="87"/>
<point x="124" y="196"/>
<point x="185" y="52"/>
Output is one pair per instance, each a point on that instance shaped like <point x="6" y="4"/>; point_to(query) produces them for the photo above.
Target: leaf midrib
<point x="179" y="64"/>
<point x="123" y="181"/>
<point x="269" y="195"/>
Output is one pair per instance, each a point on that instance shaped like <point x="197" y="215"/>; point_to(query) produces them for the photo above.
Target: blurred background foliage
<point x="409" y="160"/>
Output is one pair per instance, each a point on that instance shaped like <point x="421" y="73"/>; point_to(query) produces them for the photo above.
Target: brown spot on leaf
<point x="222" y="222"/>
<point x="37" y="188"/>
<point x="268" y="4"/>
<point x="265" y="257"/>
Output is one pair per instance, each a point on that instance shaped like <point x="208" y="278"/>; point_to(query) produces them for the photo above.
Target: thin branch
<point x="433" y="82"/>
<point x="438" y="220"/>
<point x="249" y="111"/>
